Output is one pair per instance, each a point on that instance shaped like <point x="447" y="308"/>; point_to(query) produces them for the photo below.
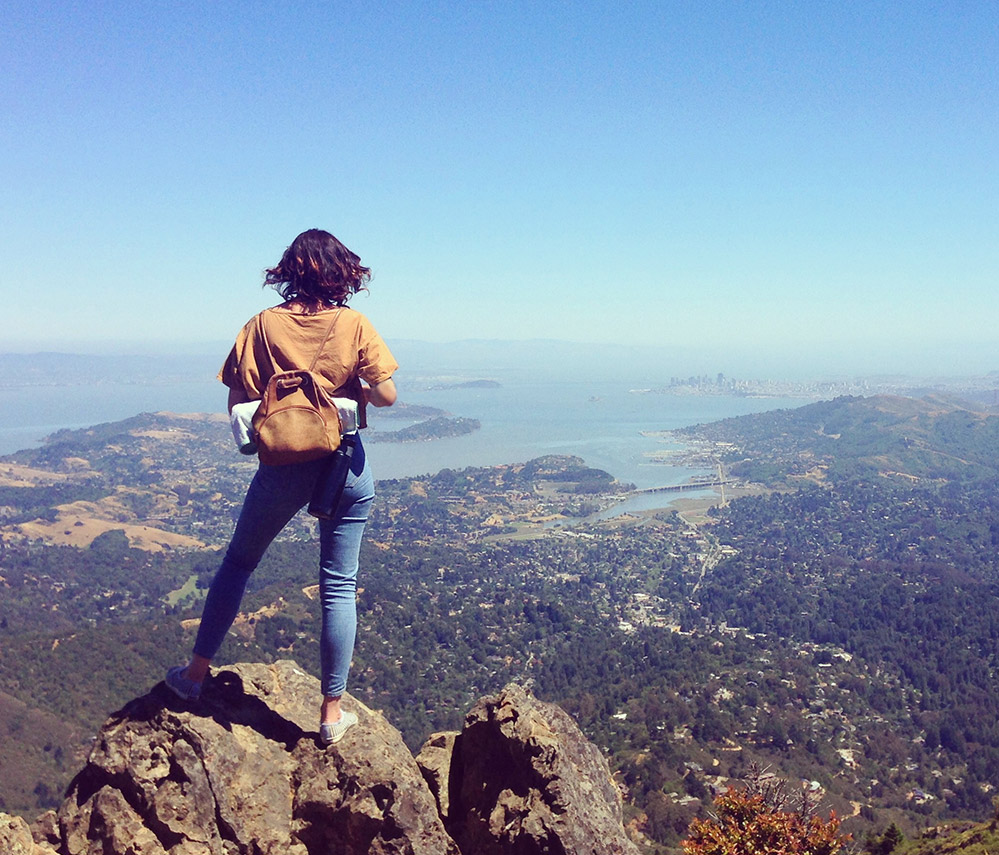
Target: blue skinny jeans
<point x="275" y="495"/>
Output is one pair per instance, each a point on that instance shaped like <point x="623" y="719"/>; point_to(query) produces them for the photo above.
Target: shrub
<point x="746" y="823"/>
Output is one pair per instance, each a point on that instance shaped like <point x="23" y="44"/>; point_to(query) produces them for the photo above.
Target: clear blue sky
<point x="762" y="176"/>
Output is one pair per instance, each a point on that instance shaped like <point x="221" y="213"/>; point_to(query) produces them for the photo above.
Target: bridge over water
<point x="694" y="485"/>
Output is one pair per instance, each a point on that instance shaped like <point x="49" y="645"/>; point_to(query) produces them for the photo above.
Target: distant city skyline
<point x="767" y="181"/>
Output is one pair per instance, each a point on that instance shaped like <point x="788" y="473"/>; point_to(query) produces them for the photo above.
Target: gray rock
<point x="45" y="829"/>
<point x="16" y="839"/>
<point x="242" y="772"/>
<point x="434" y="761"/>
<point x="525" y="781"/>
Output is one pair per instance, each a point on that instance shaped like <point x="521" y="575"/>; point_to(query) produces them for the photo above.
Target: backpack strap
<point x="326" y="338"/>
<point x="315" y="359"/>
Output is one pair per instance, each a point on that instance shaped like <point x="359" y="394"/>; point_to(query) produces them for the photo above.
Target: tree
<point x="745" y="822"/>
<point x="889" y="840"/>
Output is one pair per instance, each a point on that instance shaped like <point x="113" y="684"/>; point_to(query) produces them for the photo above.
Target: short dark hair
<point x="317" y="269"/>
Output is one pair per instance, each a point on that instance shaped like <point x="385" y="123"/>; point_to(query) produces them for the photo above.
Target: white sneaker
<point x="331" y="734"/>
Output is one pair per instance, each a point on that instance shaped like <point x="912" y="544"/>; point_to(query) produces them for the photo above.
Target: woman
<point x="316" y="276"/>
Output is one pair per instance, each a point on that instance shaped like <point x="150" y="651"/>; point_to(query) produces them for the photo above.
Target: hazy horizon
<point x="809" y="185"/>
<point x="561" y="359"/>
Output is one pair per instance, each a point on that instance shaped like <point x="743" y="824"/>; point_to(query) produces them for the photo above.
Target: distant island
<point x="428" y="423"/>
<point x="469" y="384"/>
<point x="403" y="411"/>
<point x="437" y="427"/>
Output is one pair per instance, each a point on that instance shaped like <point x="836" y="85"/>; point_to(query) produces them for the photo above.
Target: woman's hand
<point x="381" y="394"/>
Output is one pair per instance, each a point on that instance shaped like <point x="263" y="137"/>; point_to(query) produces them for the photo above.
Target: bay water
<point x="606" y="423"/>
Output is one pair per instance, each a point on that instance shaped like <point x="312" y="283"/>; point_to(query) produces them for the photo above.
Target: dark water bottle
<point x="329" y="486"/>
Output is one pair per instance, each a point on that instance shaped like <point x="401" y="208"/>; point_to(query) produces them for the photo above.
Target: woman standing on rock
<point x="316" y="276"/>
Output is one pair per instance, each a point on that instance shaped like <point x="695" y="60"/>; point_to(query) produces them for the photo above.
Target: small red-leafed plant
<point x="754" y="822"/>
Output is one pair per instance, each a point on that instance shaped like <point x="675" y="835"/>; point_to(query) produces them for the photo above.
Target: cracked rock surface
<point x="524" y="780"/>
<point x="16" y="838"/>
<point x="241" y="771"/>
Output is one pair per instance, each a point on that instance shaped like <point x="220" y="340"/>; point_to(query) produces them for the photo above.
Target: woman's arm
<point x="381" y="394"/>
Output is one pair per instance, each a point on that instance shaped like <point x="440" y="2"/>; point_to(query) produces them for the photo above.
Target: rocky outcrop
<point x="434" y="761"/>
<point x="16" y="838"/>
<point x="242" y="773"/>
<point x="525" y="781"/>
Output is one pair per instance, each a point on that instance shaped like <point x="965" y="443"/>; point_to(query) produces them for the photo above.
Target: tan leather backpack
<point x="297" y="419"/>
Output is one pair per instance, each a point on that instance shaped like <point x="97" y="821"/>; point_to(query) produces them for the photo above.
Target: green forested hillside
<point x="932" y="438"/>
<point x="959" y="838"/>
